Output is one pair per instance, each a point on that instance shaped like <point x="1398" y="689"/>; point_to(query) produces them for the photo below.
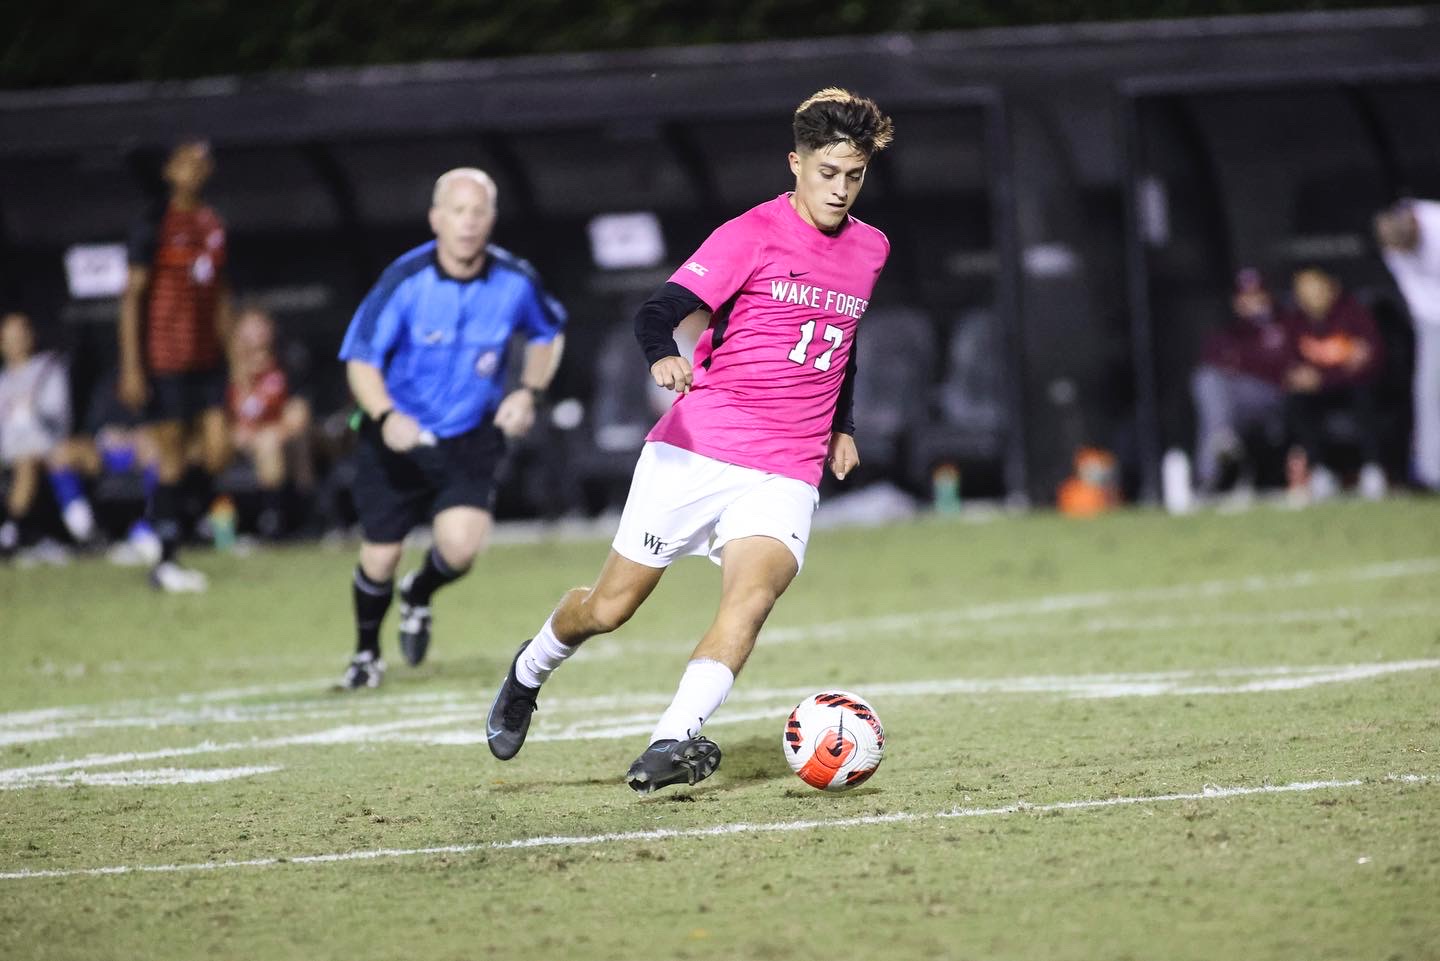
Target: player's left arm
<point x="843" y="456"/>
<point x="655" y="324"/>
<point x="543" y="318"/>
<point x="516" y="414"/>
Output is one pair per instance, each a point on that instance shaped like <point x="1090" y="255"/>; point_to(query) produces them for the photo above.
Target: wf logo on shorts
<point x="653" y="544"/>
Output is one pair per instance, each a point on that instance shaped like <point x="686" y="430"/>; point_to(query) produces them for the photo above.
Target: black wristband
<point x="380" y="421"/>
<point x="536" y="393"/>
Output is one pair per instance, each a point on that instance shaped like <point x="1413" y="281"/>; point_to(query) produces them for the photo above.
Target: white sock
<point x="703" y="688"/>
<point x="542" y="655"/>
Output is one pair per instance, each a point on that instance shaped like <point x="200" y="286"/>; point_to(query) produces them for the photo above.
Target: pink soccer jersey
<point x="786" y="301"/>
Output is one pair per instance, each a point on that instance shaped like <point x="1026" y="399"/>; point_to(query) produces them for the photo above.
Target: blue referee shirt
<point x="441" y="342"/>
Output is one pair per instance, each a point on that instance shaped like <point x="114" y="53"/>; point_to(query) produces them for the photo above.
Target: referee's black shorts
<point x="396" y="492"/>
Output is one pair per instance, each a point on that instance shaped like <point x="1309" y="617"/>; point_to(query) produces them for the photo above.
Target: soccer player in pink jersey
<point x="731" y="470"/>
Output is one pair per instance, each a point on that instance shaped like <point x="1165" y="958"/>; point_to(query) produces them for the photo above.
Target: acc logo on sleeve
<point x="696" y="268"/>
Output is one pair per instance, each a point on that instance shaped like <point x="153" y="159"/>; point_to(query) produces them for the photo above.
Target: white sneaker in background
<point x="174" y="579"/>
<point x="79" y="520"/>
<point x="1373" y="485"/>
<point x="1176" y="487"/>
<point x="141" y="549"/>
<point x="1238" y="499"/>
<point x="1323" y="484"/>
<point x="45" y="551"/>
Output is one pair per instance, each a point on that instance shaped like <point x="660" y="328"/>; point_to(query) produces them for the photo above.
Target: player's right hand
<point x="673" y="373"/>
<point x="132" y="389"/>
<point x="400" y="432"/>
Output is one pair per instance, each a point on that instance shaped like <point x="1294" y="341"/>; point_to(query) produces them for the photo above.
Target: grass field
<point x="1137" y="737"/>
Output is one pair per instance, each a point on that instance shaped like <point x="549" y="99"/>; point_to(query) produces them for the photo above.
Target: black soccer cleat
<point x="670" y="762"/>
<point x="509" y="719"/>
<point x="414" y="625"/>
<point x="365" y="670"/>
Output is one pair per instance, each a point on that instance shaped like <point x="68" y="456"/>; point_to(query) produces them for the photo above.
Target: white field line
<point x="768" y="703"/>
<point x="422" y="703"/>
<point x="24" y="727"/>
<point x="1067" y="603"/>
<point x="346" y="734"/>
<point x="1209" y="793"/>
<point x="776" y="703"/>
<point x="157" y="776"/>
<point x="887" y="624"/>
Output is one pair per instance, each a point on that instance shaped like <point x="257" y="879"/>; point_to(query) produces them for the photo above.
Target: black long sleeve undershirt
<point x="655" y="324"/>
<point x="844" y="422"/>
<point x="657" y="318"/>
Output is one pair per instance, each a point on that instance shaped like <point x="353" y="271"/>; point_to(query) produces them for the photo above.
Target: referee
<point x="426" y="360"/>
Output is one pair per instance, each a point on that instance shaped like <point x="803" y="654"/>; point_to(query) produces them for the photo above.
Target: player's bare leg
<point x="621" y="588"/>
<point x="379" y="561"/>
<point x="757" y="570"/>
<point x="460" y="534"/>
<point x="24" y="483"/>
<point x="584" y="612"/>
<point x="214" y="433"/>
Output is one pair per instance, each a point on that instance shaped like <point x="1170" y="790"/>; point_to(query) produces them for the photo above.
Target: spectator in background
<point x="110" y="445"/>
<point x="1239" y="385"/>
<point x="267" y="424"/>
<point x="1409" y="236"/>
<point x="1336" y="355"/>
<point x="34" y="421"/>
<point x="174" y="317"/>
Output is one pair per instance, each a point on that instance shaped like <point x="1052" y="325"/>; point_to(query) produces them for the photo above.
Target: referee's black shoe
<point x="414" y="624"/>
<point x="509" y="719"/>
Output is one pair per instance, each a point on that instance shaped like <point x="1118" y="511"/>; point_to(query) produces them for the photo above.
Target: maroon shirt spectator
<point x="1335" y="340"/>
<point x="1262" y="350"/>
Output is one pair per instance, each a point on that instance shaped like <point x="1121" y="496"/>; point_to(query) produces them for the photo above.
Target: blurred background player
<point x="426" y="360"/>
<point x="1239" y="385"/>
<point x="1409" y="236"/>
<point x="732" y="470"/>
<point x="34" y="421"/>
<point x="1336" y="356"/>
<point x="267" y="424"/>
<point x="174" y="319"/>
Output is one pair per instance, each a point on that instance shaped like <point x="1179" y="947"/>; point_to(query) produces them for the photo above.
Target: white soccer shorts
<point x="685" y="503"/>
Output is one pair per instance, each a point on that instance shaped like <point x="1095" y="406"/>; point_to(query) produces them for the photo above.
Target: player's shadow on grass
<point x="743" y="764"/>
<point x="751" y="762"/>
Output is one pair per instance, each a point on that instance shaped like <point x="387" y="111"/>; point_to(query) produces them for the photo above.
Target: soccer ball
<point x="834" y="741"/>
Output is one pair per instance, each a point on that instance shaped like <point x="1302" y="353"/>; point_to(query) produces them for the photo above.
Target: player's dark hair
<point x="835" y="116"/>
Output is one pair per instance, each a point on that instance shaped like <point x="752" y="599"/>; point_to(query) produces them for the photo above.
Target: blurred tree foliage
<point x="101" y="41"/>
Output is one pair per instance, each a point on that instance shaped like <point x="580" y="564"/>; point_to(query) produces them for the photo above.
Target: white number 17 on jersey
<point x="807" y="333"/>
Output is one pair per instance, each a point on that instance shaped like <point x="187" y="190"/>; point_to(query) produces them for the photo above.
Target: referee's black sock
<point x="433" y="575"/>
<point x="372" y="600"/>
<point x="165" y="518"/>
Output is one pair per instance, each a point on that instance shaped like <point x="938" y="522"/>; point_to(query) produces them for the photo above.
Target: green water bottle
<point x="222" y="523"/>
